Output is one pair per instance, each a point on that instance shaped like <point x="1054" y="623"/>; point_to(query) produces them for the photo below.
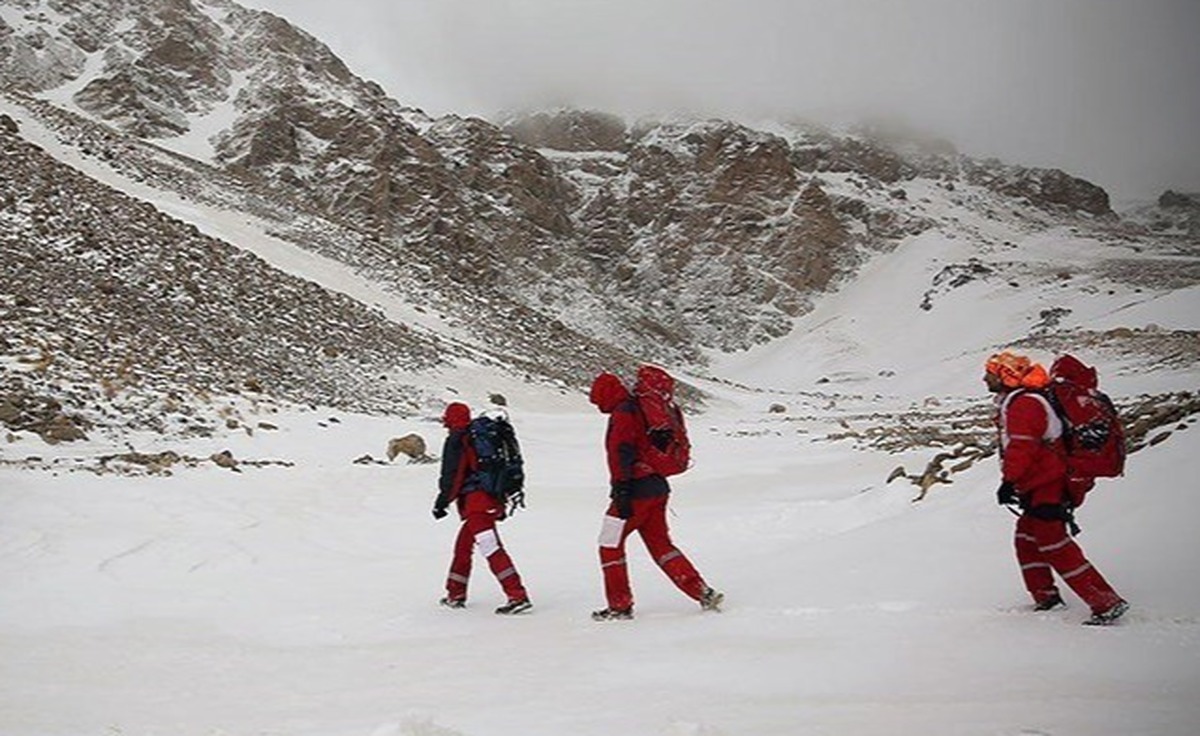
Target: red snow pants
<point x="479" y="513"/>
<point x="649" y="519"/>
<point x="1043" y="548"/>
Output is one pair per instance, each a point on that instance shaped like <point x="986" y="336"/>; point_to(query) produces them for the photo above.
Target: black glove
<point x="620" y="495"/>
<point x="624" y="506"/>
<point x="1075" y="530"/>
<point x="1006" y="494"/>
<point x="439" y="512"/>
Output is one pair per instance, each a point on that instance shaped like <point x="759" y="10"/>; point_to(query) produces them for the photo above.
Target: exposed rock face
<point x="827" y="153"/>
<point x="168" y="64"/>
<point x="667" y="207"/>
<point x="105" y="298"/>
<point x="1042" y="187"/>
<point x="491" y="166"/>
<point x="38" y="58"/>
<point x="43" y="415"/>
<point x="570" y="130"/>
<point x="564" y="242"/>
<point x="748" y="219"/>
<point x="1174" y="215"/>
<point x="1179" y="200"/>
<point x="95" y="283"/>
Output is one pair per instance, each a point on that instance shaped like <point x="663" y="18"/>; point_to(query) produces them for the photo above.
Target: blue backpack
<point x="501" y="469"/>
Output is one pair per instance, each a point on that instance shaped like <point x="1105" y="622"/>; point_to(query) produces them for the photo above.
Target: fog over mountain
<point x="1100" y="89"/>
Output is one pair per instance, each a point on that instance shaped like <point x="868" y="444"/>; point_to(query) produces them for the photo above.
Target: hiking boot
<point x="1104" y="618"/>
<point x="449" y="602"/>
<point x="711" y="600"/>
<point x="613" y="614"/>
<point x="518" y="606"/>
<point x="1050" y="603"/>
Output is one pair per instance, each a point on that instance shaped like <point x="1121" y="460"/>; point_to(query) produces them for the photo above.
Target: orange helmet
<point x="1015" y="371"/>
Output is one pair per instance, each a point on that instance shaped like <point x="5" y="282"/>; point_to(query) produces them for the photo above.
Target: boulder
<point x="412" y="445"/>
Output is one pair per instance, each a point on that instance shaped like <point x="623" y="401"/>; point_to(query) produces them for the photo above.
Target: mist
<point x="1105" y="89"/>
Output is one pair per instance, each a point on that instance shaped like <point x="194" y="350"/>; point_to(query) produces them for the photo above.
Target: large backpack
<point x="1092" y="431"/>
<point x="666" y="448"/>
<point x="501" y="469"/>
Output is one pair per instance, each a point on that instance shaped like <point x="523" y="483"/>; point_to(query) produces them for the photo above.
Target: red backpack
<point x="1092" y="431"/>
<point x="666" y="449"/>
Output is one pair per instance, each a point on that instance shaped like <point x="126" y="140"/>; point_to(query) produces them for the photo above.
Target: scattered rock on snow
<point x="225" y="459"/>
<point x="412" y="445"/>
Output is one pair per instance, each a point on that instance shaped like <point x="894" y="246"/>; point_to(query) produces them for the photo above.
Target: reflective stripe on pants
<point x="1043" y="547"/>
<point x="649" y="520"/>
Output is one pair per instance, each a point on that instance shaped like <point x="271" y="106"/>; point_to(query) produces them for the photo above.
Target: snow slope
<point x="239" y="229"/>
<point x="302" y="600"/>
<point x="873" y="336"/>
<point x="299" y="599"/>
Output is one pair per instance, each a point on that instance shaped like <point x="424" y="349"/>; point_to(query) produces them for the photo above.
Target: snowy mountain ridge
<point x="549" y="246"/>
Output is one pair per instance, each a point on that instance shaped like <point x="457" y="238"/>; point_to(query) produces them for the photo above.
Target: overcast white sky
<point x="1106" y="89"/>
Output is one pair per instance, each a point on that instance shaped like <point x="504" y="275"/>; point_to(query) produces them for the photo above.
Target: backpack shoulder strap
<point x="1054" y="424"/>
<point x="470" y="456"/>
<point x="467" y="463"/>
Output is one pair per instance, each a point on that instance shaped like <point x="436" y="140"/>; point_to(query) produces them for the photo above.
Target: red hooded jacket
<point x="624" y="439"/>
<point x="1031" y="447"/>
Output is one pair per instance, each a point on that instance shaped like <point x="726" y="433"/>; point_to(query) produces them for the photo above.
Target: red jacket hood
<point x="608" y="392"/>
<point x="456" y="416"/>
<point x="1069" y="368"/>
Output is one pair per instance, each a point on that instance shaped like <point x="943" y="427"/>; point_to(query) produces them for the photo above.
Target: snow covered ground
<point x="302" y="600"/>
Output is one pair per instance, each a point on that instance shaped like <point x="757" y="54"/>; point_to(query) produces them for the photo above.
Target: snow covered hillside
<point x="298" y="596"/>
<point x="202" y="363"/>
<point x="564" y="235"/>
<point x="916" y="322"/>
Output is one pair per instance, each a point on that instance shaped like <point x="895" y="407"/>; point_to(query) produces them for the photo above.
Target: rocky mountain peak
<point x="569" y="130"/>
<point x="1046" y="188"/>
<point x="555" y="243"/>
<point x="1173" y="213"/>
<point x="1179" y="200"/>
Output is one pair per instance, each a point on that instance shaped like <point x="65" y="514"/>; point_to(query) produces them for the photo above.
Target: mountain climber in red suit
<point x="639" y="503"/>
<point x="1034" y="473"/>
<point x="479" y="512"/>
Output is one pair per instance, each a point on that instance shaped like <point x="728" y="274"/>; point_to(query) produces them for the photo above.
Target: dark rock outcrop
<point x="1047" y="188"/>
